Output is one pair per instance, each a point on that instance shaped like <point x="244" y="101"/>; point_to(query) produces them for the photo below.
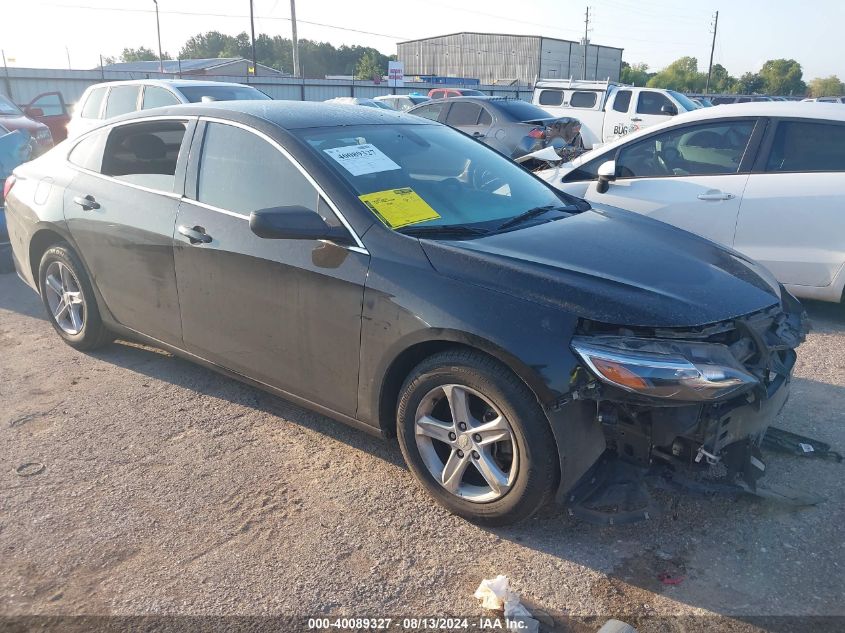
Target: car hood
<point x="615" y="267"/>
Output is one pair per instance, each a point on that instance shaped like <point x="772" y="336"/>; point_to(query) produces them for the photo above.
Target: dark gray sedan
<point x="396" y="275"/>
<point x="511" y="126"/>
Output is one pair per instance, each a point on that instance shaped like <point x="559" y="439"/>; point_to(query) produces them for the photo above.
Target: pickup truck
<point x="608" y="111"/>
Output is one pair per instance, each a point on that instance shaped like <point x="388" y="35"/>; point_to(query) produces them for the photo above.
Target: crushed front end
<point x="691" y="398"/>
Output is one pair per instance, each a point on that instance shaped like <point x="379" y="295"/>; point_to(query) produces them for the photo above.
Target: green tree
<point x="682" y="75"/>
<point x="826" y="87"/>
<point x="205" y="45"/>
<point x="140" y="54"/>
<point x="720" y="80"/>
<point x="750" y="83"/>
<point x="636" y="74"/>
<point x="782" y="77"/>
<point x="368" y="67"/>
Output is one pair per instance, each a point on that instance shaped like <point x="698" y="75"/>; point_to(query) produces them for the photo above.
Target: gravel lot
<point x="169" y="489"/>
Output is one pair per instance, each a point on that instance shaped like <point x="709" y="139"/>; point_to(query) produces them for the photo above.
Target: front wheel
<point x="69" y="298"/>
<point x="475" y="437"/>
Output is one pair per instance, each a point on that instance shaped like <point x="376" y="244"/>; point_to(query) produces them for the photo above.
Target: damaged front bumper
<point x="696" y="399"/>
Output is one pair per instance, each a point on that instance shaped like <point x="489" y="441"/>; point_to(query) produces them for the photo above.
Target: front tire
<point x="69" y="299"/>
<point x="474" y="435"/>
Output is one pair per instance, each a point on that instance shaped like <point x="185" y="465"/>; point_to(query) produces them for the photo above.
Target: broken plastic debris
<point x="668" y="579"/>
<point x="495" y="595"/>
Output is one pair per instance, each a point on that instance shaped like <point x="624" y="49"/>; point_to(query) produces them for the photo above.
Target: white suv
<point x="107" y="100"/>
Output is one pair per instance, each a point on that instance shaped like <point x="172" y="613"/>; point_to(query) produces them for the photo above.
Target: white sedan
<point x="767" y="179"/>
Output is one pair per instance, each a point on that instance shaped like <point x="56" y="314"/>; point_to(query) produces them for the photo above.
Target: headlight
<point x="664" y="369"/>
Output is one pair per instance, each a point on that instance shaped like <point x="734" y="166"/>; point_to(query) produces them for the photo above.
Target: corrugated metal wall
<point x="24" y="84"/>
<point x="561" y="60"/>
<point x="491" y="57"/>
<point x="476" y="55"/>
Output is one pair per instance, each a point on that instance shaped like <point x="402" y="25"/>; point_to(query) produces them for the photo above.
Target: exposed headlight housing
<point x="665" y="369"/>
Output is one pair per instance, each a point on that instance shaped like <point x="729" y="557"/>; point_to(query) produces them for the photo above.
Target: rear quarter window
<point x="91" y="107"/>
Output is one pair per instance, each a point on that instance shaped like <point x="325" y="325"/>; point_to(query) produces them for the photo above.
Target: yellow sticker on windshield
<point x="399" y="207"/>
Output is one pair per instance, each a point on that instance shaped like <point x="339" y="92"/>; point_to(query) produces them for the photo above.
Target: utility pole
<point x="158" y="32"/>
<point x="294" y="40"/>
<point x="67" y="52"/>
<point x="712" y="48"/>
<point x="586" y="42"/>
<point x="252" y="30"/>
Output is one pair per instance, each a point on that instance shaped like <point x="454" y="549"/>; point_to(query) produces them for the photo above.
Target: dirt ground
<point x="167" y="489"/>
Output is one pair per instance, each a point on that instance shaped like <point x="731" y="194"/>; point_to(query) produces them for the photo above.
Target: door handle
<point x="86" y="202"/>
<point x="196" y="234"/>
<point x="478" y="135"/>
<point x="636" y="119"/>
<point x="716" y="195"/>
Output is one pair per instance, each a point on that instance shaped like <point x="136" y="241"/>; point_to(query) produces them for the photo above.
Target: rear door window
<point x="122" y="99"/>
<point x="229" y="154"/>
<point x="463" y="113"/>
<point x="582" y="99"/>
<point x="650" y="102"/>
<point x="91" y="107"/>
<point x="145" y="153"/>
<point x="431" y="111"/>
<point x="551" y="97"/>
<point x="438" y="94"/>
<point x="807" y="146"/>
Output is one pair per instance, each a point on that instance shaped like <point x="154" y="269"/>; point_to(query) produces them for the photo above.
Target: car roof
<point x="286" y="114"/>
<point x="785" y="109"/>
<point x="166" y="83"/>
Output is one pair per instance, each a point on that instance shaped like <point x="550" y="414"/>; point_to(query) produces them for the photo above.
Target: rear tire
<point x="68" y="296"/>
<point x="498" y="466"/>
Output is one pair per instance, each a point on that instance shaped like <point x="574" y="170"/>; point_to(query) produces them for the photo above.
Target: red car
<point x="445" y="93"/>
<point x="44" y="118"/>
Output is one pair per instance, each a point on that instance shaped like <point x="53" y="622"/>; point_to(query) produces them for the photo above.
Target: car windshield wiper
<point x="447" y="230"/>
<point x="527" y="215"/>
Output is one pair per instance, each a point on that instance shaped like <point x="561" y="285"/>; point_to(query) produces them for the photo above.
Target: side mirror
<point x="33" y="112"/>
<point x="607" y="173"/>
<point x="668" y="108"/>
<point x="295" y="223"/>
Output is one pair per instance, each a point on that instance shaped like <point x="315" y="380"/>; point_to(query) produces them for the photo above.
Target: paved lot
<point x="170" y="489"/>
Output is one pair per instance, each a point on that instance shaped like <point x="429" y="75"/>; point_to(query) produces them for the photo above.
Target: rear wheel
<point x="475" y="437"/>
<point x="69" y="299"/>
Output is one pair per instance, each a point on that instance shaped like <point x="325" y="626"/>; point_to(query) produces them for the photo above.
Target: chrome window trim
<point x="108" y="129"/>
<point x="359" y="245"/>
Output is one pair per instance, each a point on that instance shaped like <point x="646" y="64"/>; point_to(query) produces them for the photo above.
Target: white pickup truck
<point x="608" y="110"/>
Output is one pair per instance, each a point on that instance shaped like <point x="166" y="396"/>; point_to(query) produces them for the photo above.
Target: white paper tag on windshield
<point x="362" y="159"/>
<point x="807" y="448"/>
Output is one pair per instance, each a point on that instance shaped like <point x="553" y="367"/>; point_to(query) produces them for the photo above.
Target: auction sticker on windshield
<point x="399" y="207"/>
<point x="359" y="160"/>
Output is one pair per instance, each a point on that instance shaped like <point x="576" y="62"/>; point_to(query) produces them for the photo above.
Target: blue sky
<point x="36" y="32"/>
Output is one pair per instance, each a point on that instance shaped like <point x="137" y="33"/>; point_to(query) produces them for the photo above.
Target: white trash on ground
<point x="495" y="595"/>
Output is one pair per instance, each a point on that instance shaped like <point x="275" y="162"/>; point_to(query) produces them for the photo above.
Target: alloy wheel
<point x="466" y="443"/>
<point x="65" y="298"/>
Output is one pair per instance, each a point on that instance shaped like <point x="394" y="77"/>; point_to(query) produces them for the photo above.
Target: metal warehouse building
<point x="493" y="57"/>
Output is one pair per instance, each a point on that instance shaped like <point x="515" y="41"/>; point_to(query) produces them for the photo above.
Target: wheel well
<point x="41" y="241"/>
<point x="401" y="368"/>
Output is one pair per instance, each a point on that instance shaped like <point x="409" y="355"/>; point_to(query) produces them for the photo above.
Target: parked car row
<point x="510" y="330"/>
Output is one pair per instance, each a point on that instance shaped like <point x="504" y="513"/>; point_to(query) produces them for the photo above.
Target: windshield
<point x="430" y="175"/>
<point x="688" y="104"/>
<point x="8" y="108"/>
<point x="418" y="99"/>
<point x="521" y="110"/>
<point x="195" y="94"/>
